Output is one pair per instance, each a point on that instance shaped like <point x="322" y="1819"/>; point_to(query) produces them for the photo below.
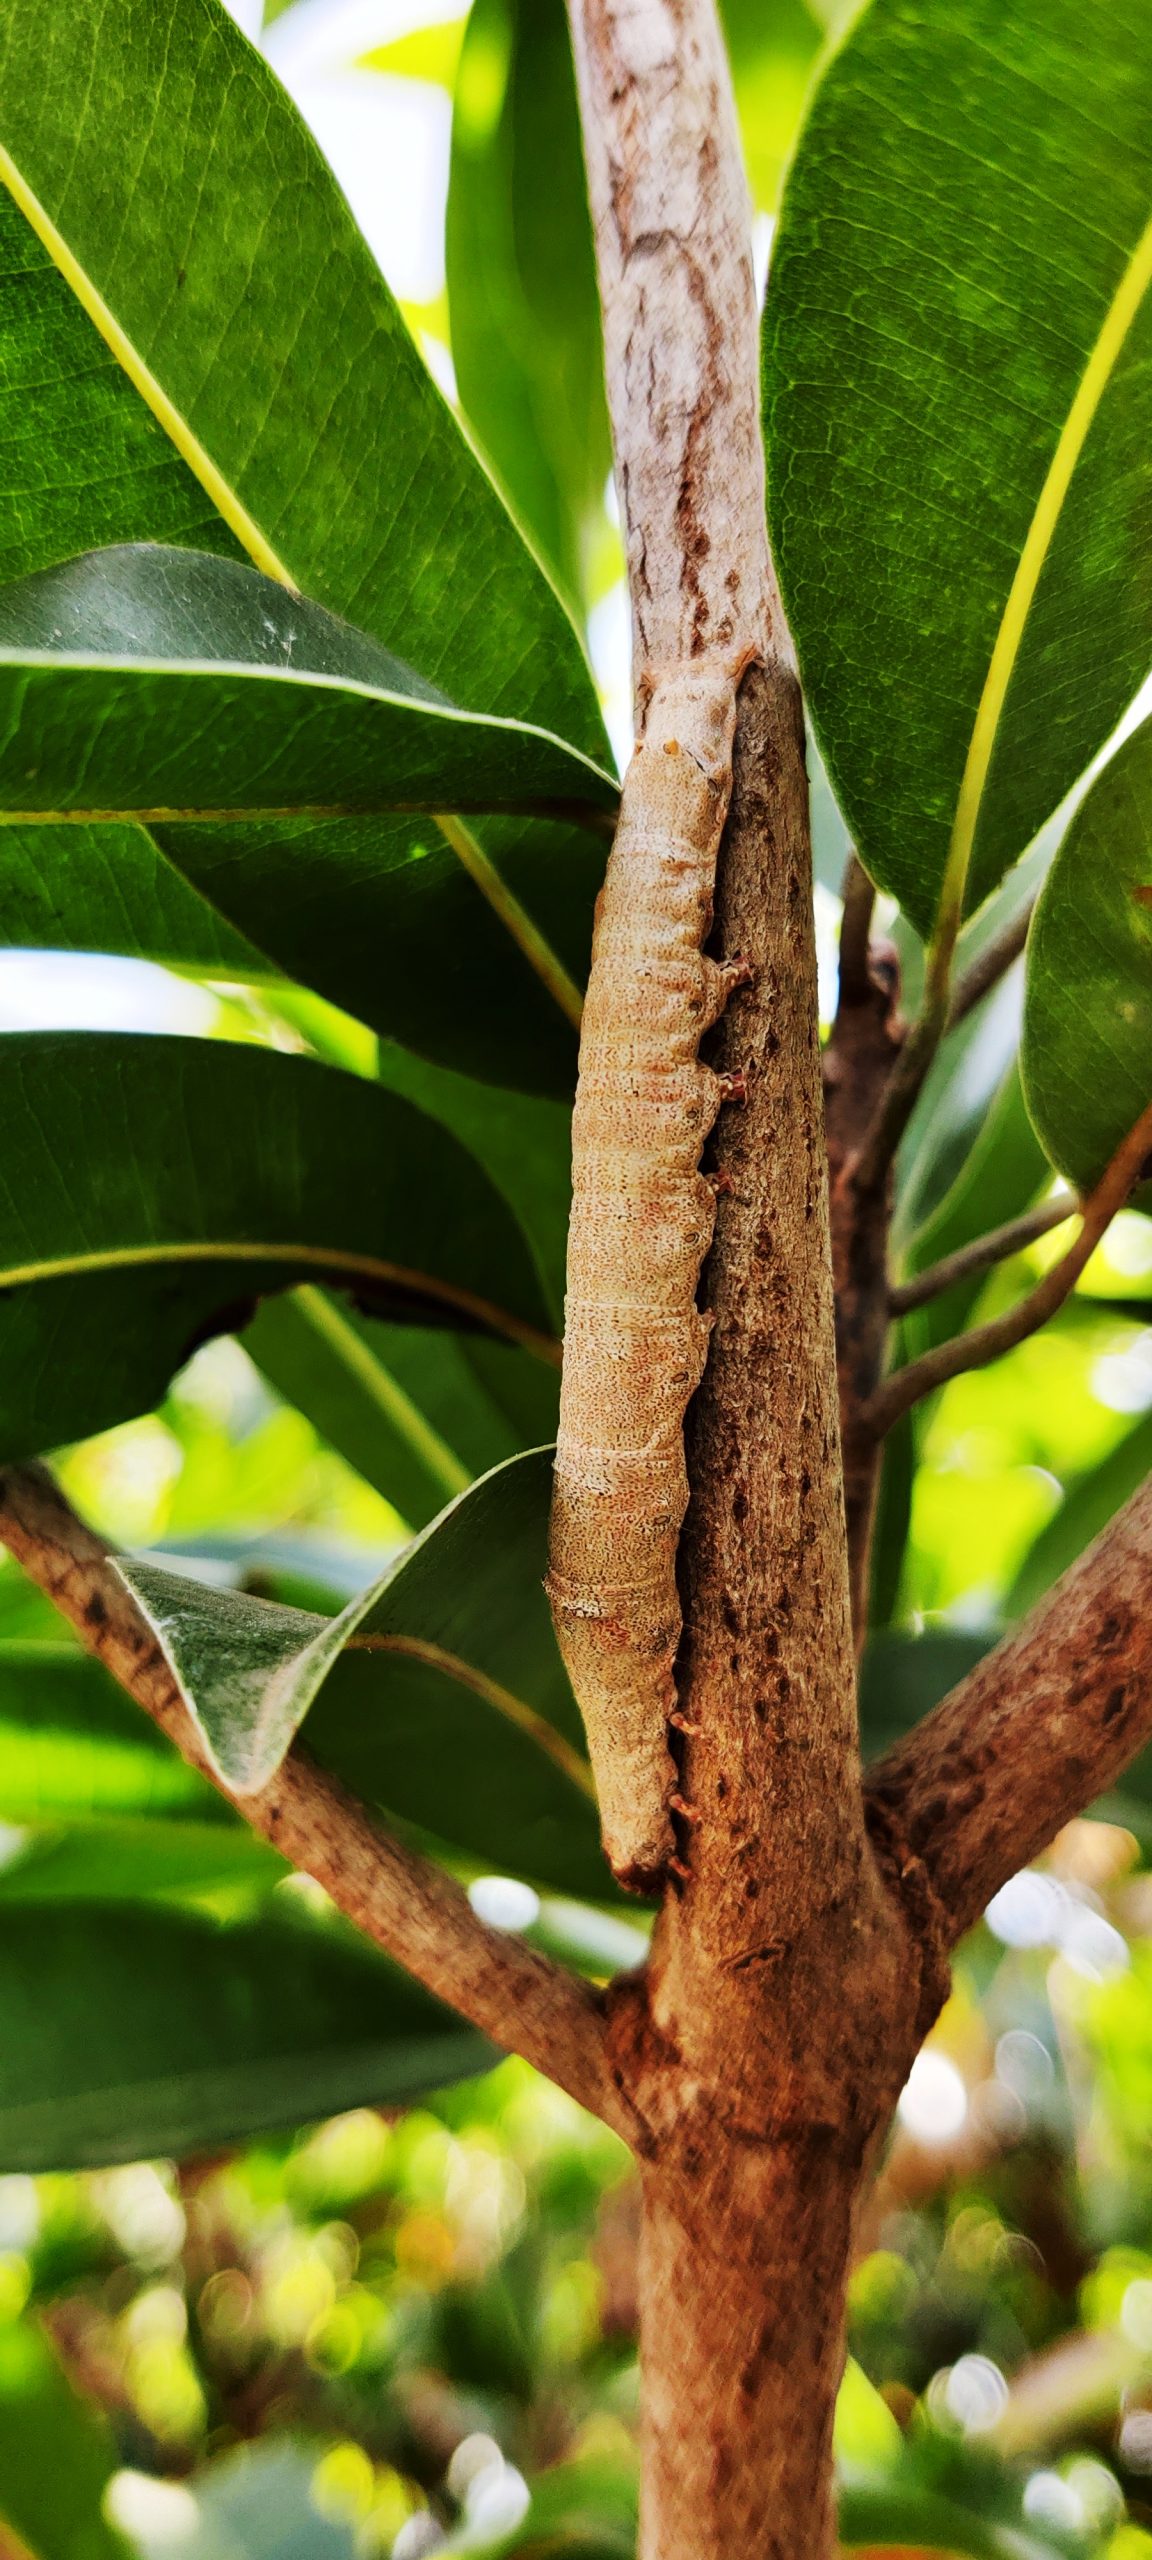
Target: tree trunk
<point x="742" y="2275"/>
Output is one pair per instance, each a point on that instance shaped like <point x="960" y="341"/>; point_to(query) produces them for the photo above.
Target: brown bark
<point x="788" y="1985"/>
<point x="409" y="1907"/>
<point x="866" y="1042"/>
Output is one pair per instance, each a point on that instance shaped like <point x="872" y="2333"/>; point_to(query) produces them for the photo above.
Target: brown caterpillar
<point x="642" y="1219"/>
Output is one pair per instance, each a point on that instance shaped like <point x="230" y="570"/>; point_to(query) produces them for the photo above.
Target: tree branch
<point x="410" y="1908"/>
<point x="990" y="965"/>
<point x="1037" y="1730"/>
<point x="981" y="1255"/>
<point x="987" y="1342"/>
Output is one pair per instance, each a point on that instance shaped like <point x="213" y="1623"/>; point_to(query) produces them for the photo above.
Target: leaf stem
<point x="384" y="1391"/>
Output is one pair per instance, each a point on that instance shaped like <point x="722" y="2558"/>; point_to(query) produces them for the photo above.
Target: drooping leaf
<point x="166" y="683"/>
<point x="959" y="402"/>
<point x="57" y="2454"/>
<point x="383" y="917"/>
<point x="111" y="889"/>
<point x="153" y="1188"/>
<point x="418" y="1413"/>
<point x="1087" y="1046"/>
<point x="523" y="1141"/>
<point x="176" y="197"/>
<point x="130" y="2031"/>
<point x="438" y="1693"/>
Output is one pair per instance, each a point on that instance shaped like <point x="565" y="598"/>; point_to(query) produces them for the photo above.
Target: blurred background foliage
<point x="395" y="2332"/>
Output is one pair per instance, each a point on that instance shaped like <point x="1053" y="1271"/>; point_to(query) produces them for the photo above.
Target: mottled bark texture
<point x="674" y="252"/>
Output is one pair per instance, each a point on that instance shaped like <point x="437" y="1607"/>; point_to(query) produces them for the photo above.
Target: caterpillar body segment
<point x="635" y="1341"/>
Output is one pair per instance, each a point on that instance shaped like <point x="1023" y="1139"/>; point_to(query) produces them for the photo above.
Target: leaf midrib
<point x="1093" y="384"/>
<point x="362" y="1266"/>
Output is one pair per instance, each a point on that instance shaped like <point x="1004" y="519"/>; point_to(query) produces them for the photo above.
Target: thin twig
<point x="981" y="1254"/>
<point x="409" y="1907"/>
<point x="990" y="965"/>
<point x="988" y="1341"/>
<point x="859" y="896"/>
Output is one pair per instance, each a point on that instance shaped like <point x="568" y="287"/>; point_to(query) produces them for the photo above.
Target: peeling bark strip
<point x="642" y="1219"/>
<point x="672" y="241"/>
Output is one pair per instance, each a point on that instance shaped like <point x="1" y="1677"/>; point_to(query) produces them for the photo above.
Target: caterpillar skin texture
<point x="635" y="1342"/>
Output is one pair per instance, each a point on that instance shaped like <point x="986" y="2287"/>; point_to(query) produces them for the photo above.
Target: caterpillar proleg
<point x="635" y="1342"/>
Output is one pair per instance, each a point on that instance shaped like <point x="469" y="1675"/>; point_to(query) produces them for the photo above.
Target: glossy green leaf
<point x="521" y="275"/>
<point x="959" y="404"/>
<point x="1087" y="1047"/>
<point x="438" y="1693"/>
<point x="418" y="1413"/>
<point x="179" y="207"/>
<point x="57" y="2454"/>
<point x="134" y="2030"/>
<point x="111" y="889"/>
<point x="523" y="1141"/>
<point x="153" y="1188"/>
<point x="236" y="293"/>
<point x="1088" y="1506"/>
<point x="164" y="682"/>
<point x="382" y="916"/>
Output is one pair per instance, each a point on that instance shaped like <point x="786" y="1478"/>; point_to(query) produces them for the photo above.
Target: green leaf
<point x="772" y="45"/>
<point x="526" y="337"/>
<point x="126" y="2032"/>
<point x="523" y="1141"/>
<point x="903" y="1677"/>
<point x="193" y="256"/>
<point x="168" y="683"/>
<point x="438" y="1693"/>
<point x="1001" y="1175"/>
<point x="1087" y="1046"/>
<point x="57" y="2454"/>
<point x="153" y="1188"/>
<point x="72" y="1745"/>
<point x="111" y="889"/>
<point x="476" y="968"/>
<point x="213" y="271"/>
<point x="417" y="1413"/>
<point x="1088" y="1506"/>
<point x="125" y="1861"/>
<point x="959" y="406"/>
<point x="919" y="2520"/>
<point x="521" y="275"/>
